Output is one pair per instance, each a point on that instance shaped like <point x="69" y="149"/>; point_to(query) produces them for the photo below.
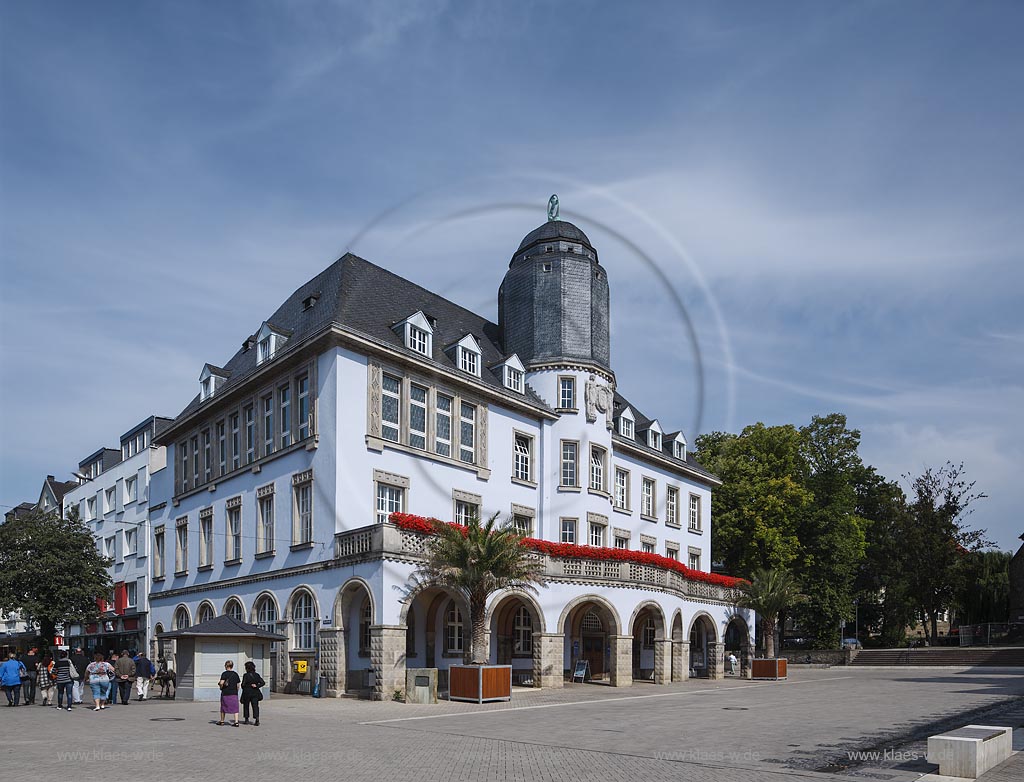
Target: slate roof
<point x="641" y="424"/>
<point x="19" y="510"/>
<point x="554" y="229"/>
<point x="224" y="626"/>
<point x="60" y="488"/>
<point x="368" y="299"/>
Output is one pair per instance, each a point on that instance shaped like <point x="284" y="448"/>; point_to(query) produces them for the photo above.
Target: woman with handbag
<point x="65" y="679"/>
<point x="251" y="693"/>
<point x="100" y="673"/>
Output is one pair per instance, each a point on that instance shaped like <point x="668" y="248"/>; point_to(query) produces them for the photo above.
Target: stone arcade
<point x="365" y="395"/>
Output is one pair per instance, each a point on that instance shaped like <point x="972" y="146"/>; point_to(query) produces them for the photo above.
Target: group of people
<point x="245" y="690"/>
<point x="34" y="675"/>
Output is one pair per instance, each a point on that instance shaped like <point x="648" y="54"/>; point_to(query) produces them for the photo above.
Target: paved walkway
<point x="725" y="731"/>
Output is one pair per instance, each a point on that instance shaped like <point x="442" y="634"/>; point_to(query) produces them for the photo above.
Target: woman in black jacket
<point x="251" y="695"/>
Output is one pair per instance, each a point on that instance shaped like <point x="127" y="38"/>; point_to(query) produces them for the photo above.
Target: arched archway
<point x="437" y="630"/>
<point x="647" y="626"/>
<point x="302" y="615"/>
<point x="354" y="614"/>
<point x="591" y="628"/>
<point x="703" y="647"/>
<point x="738" y="648"/>
<point x="514" y="620"/>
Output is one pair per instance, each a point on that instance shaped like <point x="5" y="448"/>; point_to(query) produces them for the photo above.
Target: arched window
<point x="205" y="613"/>
<point x="304" y="622"/>
<point x="181" y="618"/>
<point x="522" y="632"/>
<point x="365" y="620"/>
<point x="410" y="633"/>
<point x="234" y="610"/>
<point x="591" y="623"/>
<point x="453" y="637"/>
<point x="266" y="614"/>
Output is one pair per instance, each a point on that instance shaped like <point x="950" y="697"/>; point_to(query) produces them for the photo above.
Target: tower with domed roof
<point x="553" y="301"/>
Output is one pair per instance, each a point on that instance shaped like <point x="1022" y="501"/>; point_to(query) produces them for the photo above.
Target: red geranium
<point x="415" y="523"/>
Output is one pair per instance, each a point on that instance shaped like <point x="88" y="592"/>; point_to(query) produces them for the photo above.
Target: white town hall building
<point x="365" y="395"/>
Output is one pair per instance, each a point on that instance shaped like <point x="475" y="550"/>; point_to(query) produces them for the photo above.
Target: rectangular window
<point x="418" y="340"/>
<point x="390" y="405"/>
<point x="111" y="500"/>
<point x="268" y="424"/>
<point x="514" y="379"/>
<point x="672" y="506"/>
<point x="250" y="434"/>
<point x="568" y="530"/>
<point x="694" y="559"/>
<point x="284" y="394"/>
<point x="181" y="546"/>
<point x="417" y="416"/>
<point x="222" y="448"/>
<point x="597" y="535"/>
<point x="110" y="547"/>
<point x="265" y="527"/>
<point x="650" y="633"/>
<point x="469" y="361"/>
<point x="195" y="461"/>
<point x="570" y="452"/>
<point x="597" y="456"/>
<point x="647" y="498"/>
<point x="567" y="393"/>
<point x="390" y="499"/>
<point x="647" y="546"/>
<point x="443" y="435"/>
<point x="522" y="524"/>
<point x="522" y="458"/>
<point x="626" y="428"/>
<point x="131" y="541"/>
<point x="621" y="489"/>
<point x="158" y="553"/>
<point x="695" y="512"/>
<point x="131" y="594"/>
<point x="207" y="455"/>
<point x="90" y="508"/>
<point x="621" y="542"/>
<point x="206" y="540"/>
<point x="467" y="433"/>
<point x="302" y="392"/>
<point x="236" y="456"/>
<point x="302" y="528"/>
<point x="466" y="511"/>
<point x="183" y="449"/>
<point x="233" y="527"/>
<point x="672" y="551"/>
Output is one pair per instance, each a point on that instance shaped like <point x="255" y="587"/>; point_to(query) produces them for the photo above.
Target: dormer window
<point x="268" y="342"/>
<point x="207" y="388"/>
<point x="513" y="374"/>
<point x="466" y="355"/>
<point x="654" y="440"/>
<point x="679" y="447"/>
<point x="417" y="333"/>
<point x="627" y="424"/>
<point x="210" y="380"/>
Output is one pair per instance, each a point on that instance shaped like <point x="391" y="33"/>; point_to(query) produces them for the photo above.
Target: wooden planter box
<point x="774" y="668"/>
<point x="479" y="683"/>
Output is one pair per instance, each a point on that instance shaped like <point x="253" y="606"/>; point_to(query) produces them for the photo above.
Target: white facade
<point x="288" y="530"/>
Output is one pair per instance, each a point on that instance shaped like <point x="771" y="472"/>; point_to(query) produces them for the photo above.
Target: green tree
<point x="50" y="570"/>
<point x="758" y="509"/>
<point x="476" y="562"/>
<point x="937" y="538"/>
<point x="769" y="593"/>
<point x="831" y="533"/>
<point x="983" y="589"/>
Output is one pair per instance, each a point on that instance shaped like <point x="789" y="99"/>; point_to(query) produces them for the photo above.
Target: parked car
<point x="851" y="643"/>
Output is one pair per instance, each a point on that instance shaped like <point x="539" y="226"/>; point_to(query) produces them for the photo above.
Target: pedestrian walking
<point x="112" y="690"/>
<point x="65" y="674"/>
<point x="10" y="679"/>
<point x="81" y="662"/>
<point x="100" y="673"/>
<point x="144" y="673"/>
<point x="124" y="671"/>
<point x="28" y="682"/>
<point x="251" y="693"/>
<point x="44" y="683"/>
<point x="228" y="684"/>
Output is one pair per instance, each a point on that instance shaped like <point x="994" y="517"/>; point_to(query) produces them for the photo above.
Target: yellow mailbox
<point x="301" y="666"/>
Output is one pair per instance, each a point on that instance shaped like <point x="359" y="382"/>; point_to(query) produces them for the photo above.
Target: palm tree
<point x="770" y="592"/>
<point x="477" y="561"/>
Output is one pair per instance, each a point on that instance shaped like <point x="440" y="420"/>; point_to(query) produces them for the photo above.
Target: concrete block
<point x="970" y="751"/>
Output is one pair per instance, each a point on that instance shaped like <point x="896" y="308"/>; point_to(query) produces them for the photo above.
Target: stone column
<point x="332" y="661"/>
<point x="621" y="673"/>
<point x="716" y="660"/>
<point x="747" y="661"/>
<point x="662" y="660"/>
<point x="548" y="660"/>
<point x="680" y="661"/>
<point x="387" y="658"/>
<point x="282" y="665"/>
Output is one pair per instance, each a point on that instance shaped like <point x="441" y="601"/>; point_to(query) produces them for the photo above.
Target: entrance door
<point x="593" y="652"/>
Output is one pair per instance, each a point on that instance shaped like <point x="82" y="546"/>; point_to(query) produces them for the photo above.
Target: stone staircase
<point x="1011" y="657"/>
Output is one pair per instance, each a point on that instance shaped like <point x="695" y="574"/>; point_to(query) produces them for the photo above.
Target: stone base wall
<point x="548" y="660"/>
<point x="621" y="674"/>
<point x="387" y="658"/>
<point x="818" y="656"/>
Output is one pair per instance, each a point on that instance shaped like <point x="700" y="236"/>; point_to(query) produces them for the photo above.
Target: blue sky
<point x="832" y="191"/>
